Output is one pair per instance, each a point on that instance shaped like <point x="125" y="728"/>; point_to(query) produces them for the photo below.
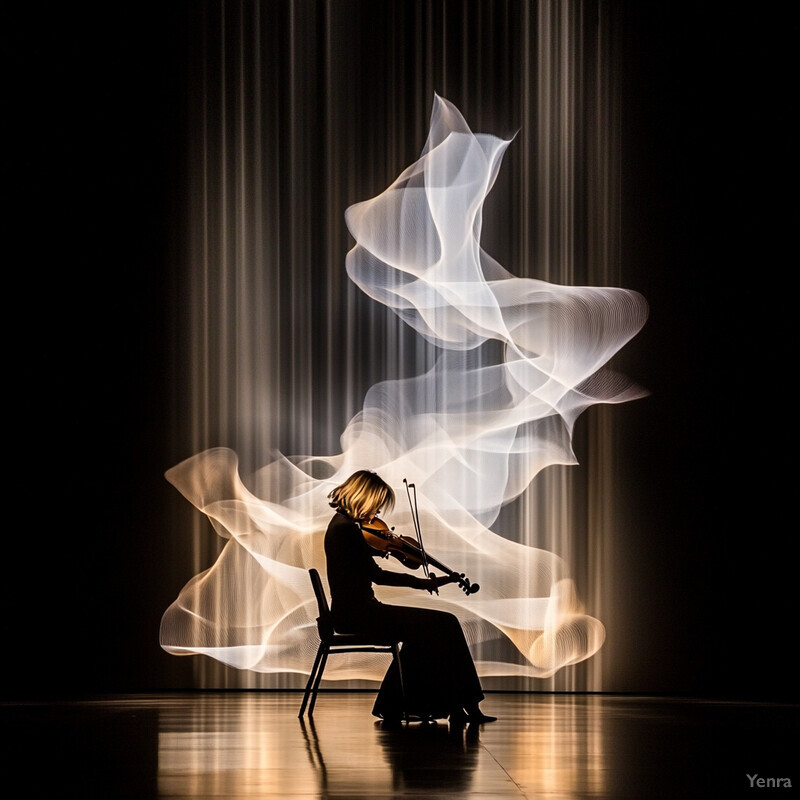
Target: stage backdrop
<point x="297" y="111"/>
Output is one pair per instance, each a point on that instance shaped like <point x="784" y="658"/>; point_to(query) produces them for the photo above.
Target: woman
<point x="439" y="676"/>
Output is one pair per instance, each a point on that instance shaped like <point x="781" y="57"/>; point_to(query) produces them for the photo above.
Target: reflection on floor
<point x="252" y="745"/>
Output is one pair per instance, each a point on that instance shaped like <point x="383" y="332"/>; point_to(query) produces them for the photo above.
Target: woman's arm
<point x="385" y="577"/>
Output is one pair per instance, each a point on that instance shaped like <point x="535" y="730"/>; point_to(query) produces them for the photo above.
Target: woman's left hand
<point x="433" y="582"/>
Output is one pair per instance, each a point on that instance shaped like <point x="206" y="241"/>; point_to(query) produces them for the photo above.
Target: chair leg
<point x="312" y="678"/>
<point x="317" y="681"/>
<point x="396" y="656"/>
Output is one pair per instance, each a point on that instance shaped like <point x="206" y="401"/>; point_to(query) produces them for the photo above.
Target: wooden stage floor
<point x="230" y="745"/>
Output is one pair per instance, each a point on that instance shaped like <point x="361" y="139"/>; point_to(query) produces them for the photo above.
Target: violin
<point x="408" y="551"/>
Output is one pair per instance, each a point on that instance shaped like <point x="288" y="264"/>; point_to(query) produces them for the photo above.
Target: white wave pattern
<point x="518" y="361"/>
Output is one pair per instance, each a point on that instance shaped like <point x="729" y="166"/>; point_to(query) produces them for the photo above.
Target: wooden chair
<point x="331" y="642"/>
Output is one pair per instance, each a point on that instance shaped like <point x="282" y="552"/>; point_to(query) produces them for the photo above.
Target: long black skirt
<point x="439" y="675"/>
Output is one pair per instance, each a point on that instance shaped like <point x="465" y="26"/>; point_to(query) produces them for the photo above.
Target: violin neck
<point x="432" y="562"/>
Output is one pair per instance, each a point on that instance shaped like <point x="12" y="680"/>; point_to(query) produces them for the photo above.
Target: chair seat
<point x="357" y="640"/>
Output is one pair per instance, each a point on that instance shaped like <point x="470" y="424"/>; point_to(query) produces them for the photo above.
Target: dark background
<point x="95" y="107"/>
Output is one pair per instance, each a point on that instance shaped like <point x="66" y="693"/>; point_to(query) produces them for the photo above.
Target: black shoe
<point x="477" y="716"/>
<point x="480" y="718"/>
<point x="391" y="716"/>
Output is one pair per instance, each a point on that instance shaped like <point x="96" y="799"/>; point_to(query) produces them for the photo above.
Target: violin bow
<point x="417" y="526"/>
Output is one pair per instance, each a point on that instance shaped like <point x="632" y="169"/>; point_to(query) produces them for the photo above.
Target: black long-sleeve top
<point x="352" y="570"/>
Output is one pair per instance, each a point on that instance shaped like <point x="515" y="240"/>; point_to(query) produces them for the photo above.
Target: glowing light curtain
<point x="466" y="377"/>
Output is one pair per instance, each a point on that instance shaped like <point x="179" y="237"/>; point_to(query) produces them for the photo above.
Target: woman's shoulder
<point x="343" y="535"/>
<point x="341" y="523"/>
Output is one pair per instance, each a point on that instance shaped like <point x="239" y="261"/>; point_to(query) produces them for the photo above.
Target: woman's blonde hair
<point x="362" y="494"/>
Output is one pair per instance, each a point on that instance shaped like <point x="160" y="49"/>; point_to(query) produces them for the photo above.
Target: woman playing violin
<point x="439" y="674"/>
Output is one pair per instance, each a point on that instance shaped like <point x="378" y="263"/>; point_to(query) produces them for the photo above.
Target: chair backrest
<point x="324" y="621"/>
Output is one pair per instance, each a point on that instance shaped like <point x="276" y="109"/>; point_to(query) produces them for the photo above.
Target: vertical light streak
<point x="604" y="260"/>
<point x="283" y="348"/>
